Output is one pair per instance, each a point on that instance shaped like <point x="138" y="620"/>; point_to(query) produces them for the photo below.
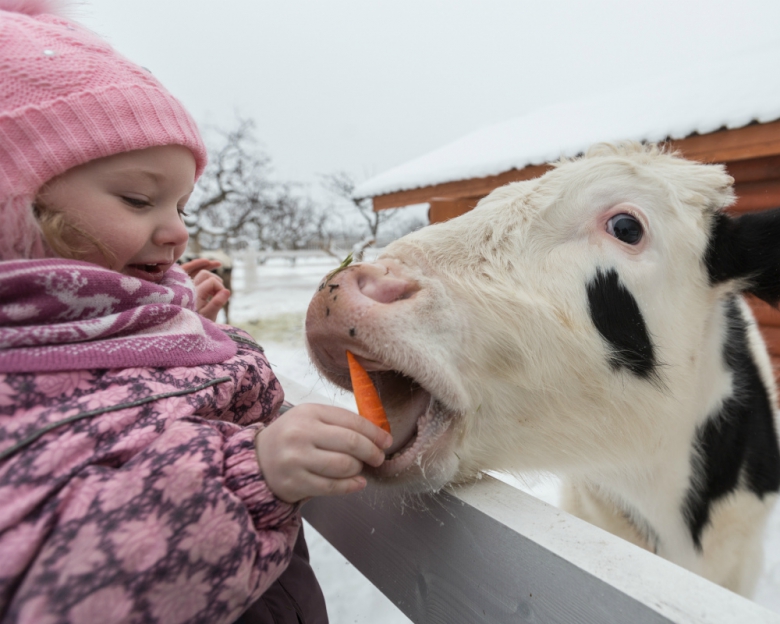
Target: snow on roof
<point x="731" y="93"/>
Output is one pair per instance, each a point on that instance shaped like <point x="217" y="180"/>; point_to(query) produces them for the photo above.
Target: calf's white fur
<point x="590" y="323"/>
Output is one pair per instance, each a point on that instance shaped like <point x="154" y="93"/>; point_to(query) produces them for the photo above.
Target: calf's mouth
<point x="417" y="418"/>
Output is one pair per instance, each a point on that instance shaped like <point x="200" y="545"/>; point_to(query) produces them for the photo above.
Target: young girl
<point x="144" y="474"/>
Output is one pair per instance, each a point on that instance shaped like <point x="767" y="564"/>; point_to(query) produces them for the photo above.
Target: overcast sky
<point x="364" y="85"/>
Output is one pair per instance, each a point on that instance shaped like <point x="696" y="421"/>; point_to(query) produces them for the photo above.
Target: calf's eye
<point x="625" y="228"/>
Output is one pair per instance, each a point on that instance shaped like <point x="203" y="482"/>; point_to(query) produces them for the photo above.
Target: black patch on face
<point x="736" y="446"/>
<point x="616" y="315"/>
<point x="746" y="247"/>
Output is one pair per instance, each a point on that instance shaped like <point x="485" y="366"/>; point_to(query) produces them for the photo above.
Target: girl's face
<point x="132" y="203"/>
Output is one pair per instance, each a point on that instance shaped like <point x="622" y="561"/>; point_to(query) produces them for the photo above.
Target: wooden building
<point x="718" y="114"/>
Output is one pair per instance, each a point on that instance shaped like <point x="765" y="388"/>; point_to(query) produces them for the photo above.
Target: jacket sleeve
<point x="257" y="395"/>
<point x="159" y="527"/>
<point x="294" y="598"/>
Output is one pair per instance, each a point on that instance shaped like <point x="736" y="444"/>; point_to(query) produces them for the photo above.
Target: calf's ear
<point x="747" y="248"/>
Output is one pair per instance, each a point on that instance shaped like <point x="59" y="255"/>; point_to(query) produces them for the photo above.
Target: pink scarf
<point x="60" y="315"/>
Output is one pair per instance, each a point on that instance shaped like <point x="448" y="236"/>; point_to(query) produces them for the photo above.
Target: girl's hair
<point x="66" y="239"/>
<point x="66" y="98"/>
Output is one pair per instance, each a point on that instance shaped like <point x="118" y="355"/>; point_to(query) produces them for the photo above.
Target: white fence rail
<point x="489" y="553"/>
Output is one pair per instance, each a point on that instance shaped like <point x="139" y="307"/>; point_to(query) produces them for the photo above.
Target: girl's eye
<point x="625" y="228"/>
<point x="135" y="201"/>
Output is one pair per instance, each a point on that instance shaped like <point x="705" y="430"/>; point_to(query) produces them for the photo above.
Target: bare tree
<point x="229" y="191"/>
<point x="342" y="185"/>
<point x="237" y="203"/>
<point x="289" y="220"/>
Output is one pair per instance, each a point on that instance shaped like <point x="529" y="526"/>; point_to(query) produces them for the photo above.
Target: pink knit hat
<point x="67" y="97"/>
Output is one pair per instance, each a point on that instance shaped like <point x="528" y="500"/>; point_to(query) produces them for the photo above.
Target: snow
<point x="728" y="94"/>
<point x="274" y="313"/>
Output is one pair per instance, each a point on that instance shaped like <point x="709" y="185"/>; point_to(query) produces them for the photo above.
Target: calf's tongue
<point x="404" y="416"/>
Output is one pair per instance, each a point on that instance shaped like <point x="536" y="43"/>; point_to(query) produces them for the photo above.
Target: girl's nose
<point x="171" y="230"/>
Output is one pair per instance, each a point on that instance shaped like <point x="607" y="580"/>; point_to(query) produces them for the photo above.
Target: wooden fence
<point x="489" y="553"/>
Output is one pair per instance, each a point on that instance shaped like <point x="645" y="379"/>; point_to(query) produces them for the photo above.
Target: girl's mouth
<point x="148" y="272"/>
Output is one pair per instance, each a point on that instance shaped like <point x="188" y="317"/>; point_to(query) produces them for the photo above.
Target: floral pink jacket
<point x="134" y="495"/>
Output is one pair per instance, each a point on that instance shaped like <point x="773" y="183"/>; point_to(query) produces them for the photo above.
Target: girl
<point x="144" y="474"/>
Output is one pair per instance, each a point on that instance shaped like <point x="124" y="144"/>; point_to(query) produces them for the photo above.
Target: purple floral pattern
<point x="153" y="513"/>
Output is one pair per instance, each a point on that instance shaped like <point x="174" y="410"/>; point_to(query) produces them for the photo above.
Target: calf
<point x="590" y="323"/>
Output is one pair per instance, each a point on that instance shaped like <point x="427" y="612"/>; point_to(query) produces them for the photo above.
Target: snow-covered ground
<point x="274" y="313"/>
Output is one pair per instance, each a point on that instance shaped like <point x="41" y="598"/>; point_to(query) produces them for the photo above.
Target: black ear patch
<point x="747" y="247"/>
<point x="736" y="447"/>
<point x="616" y="315"/>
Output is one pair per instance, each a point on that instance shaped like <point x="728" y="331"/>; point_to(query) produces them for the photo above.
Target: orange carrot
<point x="368" y="402"/>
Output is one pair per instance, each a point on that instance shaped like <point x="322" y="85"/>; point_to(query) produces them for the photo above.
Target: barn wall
<point x="446" y="208"/>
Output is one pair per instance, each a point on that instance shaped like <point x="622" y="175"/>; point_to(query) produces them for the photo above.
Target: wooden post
<point x="487" y="553"/>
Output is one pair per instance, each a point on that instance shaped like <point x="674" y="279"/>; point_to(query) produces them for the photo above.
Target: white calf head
<point x="567" y="323"/>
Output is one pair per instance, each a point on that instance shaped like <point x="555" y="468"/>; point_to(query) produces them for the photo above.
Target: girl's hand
<point x="193" y="267"/>
<point x="318" y="450"/>
<point x="210" y="294"/>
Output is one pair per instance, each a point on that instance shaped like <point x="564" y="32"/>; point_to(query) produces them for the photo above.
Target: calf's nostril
<point x="384" y="288"/>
